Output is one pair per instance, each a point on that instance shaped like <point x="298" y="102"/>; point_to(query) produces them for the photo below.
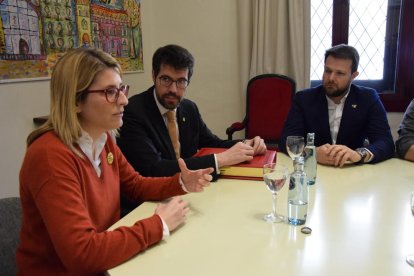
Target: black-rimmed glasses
<point x="111" y="94"/>
<point x="167" y="81"/>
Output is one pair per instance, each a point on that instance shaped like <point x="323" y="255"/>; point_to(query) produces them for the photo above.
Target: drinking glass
<point x="274" y="176"/>
<point x="295" y="146"/>
<point x="410" y="258"/>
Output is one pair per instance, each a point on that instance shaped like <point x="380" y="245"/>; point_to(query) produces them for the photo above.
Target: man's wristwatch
<point x="363" y="153"/>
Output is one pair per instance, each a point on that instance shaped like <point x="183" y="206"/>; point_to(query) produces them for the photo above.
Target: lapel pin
<point x="110" y="158"/>
<point x="183" y="119"/>
<point x="354" y="106"/>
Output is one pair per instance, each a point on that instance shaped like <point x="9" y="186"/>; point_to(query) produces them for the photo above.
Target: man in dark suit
<point x="144" y="137"/>
<point x="349" y="121"/>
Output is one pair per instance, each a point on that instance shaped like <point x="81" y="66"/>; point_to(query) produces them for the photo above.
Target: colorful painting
<point x="34" y="34"/>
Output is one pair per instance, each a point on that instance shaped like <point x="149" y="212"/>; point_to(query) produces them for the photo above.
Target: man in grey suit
<point x="405" y="141"/>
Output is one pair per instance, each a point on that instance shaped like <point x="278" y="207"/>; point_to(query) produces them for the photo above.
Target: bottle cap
<point x="306" y="230"/>
<point x="310" y="139"/>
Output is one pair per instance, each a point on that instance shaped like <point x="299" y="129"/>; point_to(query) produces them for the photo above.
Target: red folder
<point x="249" y="170"/>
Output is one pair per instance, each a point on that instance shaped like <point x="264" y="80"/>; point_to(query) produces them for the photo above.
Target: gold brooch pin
<point x="354" y="106"/>
<point x="110" y="158"/>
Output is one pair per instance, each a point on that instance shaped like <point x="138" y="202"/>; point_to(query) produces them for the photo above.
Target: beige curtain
<point x="274" y="37"/>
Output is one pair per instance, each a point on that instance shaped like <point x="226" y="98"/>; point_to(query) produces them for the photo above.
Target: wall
<point x="394" y="119"/>
<point x="206" y="28"/>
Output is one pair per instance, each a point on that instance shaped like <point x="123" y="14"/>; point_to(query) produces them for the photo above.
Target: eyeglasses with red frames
<point x="111" y="94"/>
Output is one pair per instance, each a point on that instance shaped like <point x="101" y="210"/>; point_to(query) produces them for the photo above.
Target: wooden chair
<point x="269" y="98"/>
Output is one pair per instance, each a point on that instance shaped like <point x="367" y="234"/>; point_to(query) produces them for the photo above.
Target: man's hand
<point x="238" y="153"/>
<point x="195" y="180"/>
<point x="410" y="154"/>
<point x="322" y="155"/>
<point x="336" y="155"/>
<point x="258" y="145"/>
<point x="174" y="212"/>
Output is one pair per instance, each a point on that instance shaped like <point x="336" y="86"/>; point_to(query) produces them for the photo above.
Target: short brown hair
<point x="344" y="51"/>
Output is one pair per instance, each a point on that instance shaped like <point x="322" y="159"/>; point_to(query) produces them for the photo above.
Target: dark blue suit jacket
<point x="363" y="117"/>
<point x="145" y="142"/>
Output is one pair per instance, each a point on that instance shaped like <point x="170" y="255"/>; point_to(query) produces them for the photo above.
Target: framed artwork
<point x="34" y="34"/>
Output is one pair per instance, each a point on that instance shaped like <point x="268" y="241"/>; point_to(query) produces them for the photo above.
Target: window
<point x="381" y="32"/>
<point x="367" y="30"/>
<point x="321" y="36"/>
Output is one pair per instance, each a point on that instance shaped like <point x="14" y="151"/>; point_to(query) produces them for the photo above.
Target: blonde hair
<point x="72" y="75"/>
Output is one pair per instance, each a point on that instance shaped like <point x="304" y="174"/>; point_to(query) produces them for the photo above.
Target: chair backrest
<point x="269" y="98"/>
<point x="10" y="223"/>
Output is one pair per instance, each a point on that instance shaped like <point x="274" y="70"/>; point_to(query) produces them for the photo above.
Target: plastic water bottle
<point x="309" y="153"/>
<point x="298" y="196"/>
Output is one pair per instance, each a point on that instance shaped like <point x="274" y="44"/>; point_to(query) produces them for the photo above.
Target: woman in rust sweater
<point x="73" y="173"/>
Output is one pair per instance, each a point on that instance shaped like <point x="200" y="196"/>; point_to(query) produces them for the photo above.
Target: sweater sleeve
<point x="80" y="245"/>
<point x="138" y="187"/>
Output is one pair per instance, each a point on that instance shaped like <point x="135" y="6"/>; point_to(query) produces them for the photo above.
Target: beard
<point x="165" y="100"/>
<point x="333" y="92"/>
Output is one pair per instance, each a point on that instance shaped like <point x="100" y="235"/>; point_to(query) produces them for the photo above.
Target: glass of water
<point x="274" y="176"/>
<point x="295" y="146"/>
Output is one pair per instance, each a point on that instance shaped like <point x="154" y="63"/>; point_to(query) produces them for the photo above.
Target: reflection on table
<point x="360" y="217"/>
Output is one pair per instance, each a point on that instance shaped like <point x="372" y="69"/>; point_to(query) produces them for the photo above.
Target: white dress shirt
<point x="335" y="115"/>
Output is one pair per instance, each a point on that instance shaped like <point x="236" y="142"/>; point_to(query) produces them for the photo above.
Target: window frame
<point x="398" y="100"/>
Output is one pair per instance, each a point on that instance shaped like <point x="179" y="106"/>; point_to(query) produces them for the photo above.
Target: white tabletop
<point x="360" y="217"/>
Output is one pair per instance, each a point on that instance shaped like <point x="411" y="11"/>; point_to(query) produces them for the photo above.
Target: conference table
<point x="360" y="218"/>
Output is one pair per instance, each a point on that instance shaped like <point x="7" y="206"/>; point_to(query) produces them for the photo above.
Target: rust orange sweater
<point x="67" y="209"/>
